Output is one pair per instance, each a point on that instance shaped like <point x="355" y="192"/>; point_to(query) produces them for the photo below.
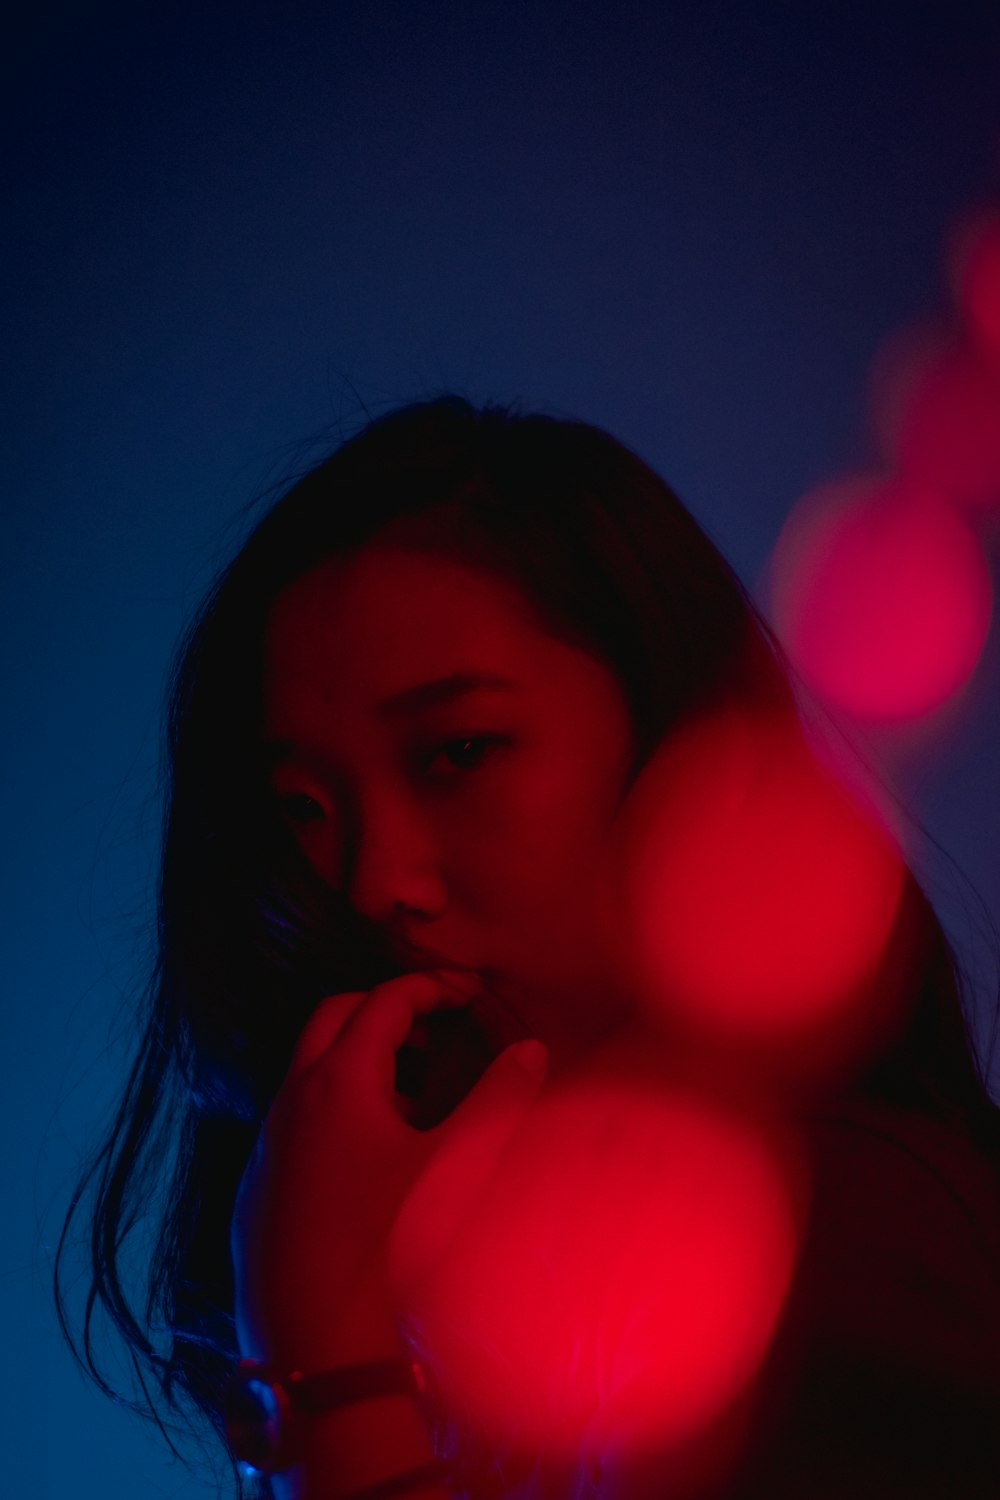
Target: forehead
<point x="386" y="616"/>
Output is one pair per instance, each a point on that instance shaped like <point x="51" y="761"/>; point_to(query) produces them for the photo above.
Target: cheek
<point x="320" y="846"/>
<point x="543" y="865"/>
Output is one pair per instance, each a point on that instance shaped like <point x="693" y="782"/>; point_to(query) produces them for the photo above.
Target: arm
<point x="333" y="1165"/>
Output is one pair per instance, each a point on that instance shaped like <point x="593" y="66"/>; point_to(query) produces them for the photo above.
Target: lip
<point x="492" y="1010"/>
<point x="421" y="959"/>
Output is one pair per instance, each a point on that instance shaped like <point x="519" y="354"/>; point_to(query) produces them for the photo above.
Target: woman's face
<point x="455" y="771"/>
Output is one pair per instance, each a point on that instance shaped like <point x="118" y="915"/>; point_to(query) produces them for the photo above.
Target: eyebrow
<point x="412" y="700"/>
<point x="440" y="690"/>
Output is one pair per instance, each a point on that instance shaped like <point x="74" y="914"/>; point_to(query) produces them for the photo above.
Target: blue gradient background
<point x="692" y="224"/>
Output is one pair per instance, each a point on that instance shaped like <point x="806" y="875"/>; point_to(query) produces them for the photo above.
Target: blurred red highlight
<point x="974" y="272"/>
<point x="882" y="597"/>
<point x="937" y="410"/>
<point x="756" y="894"/>
<point x="620" y="1283"/>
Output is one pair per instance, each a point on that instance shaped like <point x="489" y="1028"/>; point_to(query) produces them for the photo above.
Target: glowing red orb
<point x="882" y="597"/>
<point x="975" y="273"/>
<point x="621" y="1280"/>
<point x="943" y="427"/>
<point x="757" y="893"/>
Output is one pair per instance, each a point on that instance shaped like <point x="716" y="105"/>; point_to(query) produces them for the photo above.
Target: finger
<point x="472" y="1140"/>
<point x="375" y="1031"/>
<point x="495" y="1107"/>
<point x="481" y="1126"/>
<point x="323" y="1027"/>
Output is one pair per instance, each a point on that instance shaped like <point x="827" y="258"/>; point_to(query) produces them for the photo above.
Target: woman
<point x="402" y="730"/>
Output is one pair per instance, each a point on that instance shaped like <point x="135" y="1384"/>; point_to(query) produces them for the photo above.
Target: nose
<point x="392" y="864"/>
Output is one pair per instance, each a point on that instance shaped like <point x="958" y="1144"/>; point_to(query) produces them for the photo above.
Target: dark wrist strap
<point x="432" y="1472"/>
<point x="264" y="1408"/>
<point x="330" y="1388"/>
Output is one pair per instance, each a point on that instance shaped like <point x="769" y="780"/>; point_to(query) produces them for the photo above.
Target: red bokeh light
<point x="619" y="1284"/>
<point x="756" y="893"/>
<point x="882" y="597"/>
<point x="938" y="414"/>
<point x="974" y="268"/>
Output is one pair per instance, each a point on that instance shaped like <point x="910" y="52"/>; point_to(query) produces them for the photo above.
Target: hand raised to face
<point x="336" y="1159"/>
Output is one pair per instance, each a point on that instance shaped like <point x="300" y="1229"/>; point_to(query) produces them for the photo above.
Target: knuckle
<point x="325" y="1021"/>
<point x="315" y="1089"/>
<point x="304" y="1104"/>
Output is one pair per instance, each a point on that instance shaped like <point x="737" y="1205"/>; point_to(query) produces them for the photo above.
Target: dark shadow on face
<point x="464" y="825"/>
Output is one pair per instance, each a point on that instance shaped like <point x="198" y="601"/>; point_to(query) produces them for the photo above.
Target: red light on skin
<point x="756" y="896"/>
<point x="974" y="273"/>
<point x="882" y="597"/>
<point x="940" y="418"/>
<point x="619" y="1284"/>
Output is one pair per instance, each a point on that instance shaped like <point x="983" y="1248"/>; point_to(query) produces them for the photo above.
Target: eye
<point x="299" y="807"/>
<point x="465" y="752"/>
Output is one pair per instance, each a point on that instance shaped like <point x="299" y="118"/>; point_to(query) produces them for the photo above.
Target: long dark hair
<point x="249" y="940"/>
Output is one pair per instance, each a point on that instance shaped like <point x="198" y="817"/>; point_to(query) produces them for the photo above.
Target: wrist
<point x="332" y="1414"/>
<point x="380" y="1444"/>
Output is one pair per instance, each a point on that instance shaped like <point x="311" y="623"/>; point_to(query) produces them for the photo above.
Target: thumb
<point x="510" y="1082"/>
<point x="494" y="1108"/>
<point x="472" y="1141"/>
